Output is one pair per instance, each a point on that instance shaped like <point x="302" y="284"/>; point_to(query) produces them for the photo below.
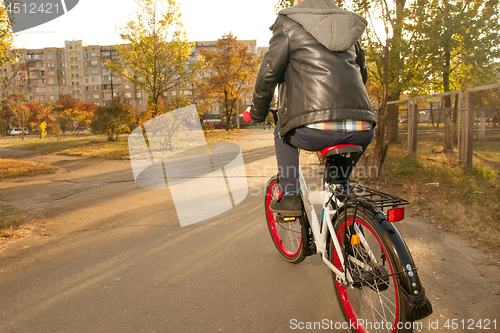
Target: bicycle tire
<point x="373" y="303"/>
<point x="288" y="237"/>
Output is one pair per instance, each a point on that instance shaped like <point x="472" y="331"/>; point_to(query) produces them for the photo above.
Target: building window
<point x="128" y="95"/>
<point x="139" y="94"/>
<point x="61" y="56"/>
<point x="95" y="79"/>
<point x="95" y="87"/>
<point x="95" y="71"/>
<point x="50" y="56"/>
<point x="86" y="72"/>
<point x="127" y="86"/>
<point x="63" y="81"/>
<point x="96" y="96"/>
<point x="61" y="65"/>
<point x="93" y="54"/>
<point x="52" y="97"/>
<point x="93" y="63"/>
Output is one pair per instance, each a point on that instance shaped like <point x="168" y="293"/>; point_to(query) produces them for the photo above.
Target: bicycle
<point x="375" y="278"/>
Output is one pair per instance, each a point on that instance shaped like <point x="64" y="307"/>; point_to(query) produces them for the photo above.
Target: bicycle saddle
<point x="340" y="150"/>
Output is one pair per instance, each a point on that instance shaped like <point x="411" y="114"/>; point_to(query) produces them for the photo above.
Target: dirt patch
<point x="19" y="223"/>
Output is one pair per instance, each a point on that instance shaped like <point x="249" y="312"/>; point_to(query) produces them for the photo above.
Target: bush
<point x="112" y="119"/>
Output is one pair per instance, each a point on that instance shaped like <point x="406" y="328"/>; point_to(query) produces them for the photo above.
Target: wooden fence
<point x="465" y="109"/>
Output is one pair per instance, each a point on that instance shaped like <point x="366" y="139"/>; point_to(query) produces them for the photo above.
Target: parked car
<point x="17" y="131"/>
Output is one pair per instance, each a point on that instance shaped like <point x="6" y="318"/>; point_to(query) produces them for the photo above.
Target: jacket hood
<point x="335" y="28"/>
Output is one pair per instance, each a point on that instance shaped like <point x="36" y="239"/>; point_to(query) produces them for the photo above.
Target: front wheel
<point x="287" y="236"/>
<point x="372" y="302"/>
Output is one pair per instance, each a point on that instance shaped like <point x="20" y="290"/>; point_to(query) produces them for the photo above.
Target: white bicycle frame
<point x="320" y="235"/>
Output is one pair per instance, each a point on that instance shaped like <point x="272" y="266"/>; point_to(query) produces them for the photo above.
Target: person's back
<point x="315" y="58"/>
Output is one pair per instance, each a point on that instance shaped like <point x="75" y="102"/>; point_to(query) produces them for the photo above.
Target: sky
<point x="95" y="22"/>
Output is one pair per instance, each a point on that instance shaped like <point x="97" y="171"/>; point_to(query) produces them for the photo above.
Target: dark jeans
<point x="310" y="139"/>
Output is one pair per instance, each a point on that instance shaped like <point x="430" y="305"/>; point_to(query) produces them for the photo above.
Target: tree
<point x="6" y="38"/>
<point x="65" y="110"/>
<point x="156" y="54"/>
<point x="282" y="4"/>
<point x="84" y="114"/>
<point x="385" y="54"/>
<point x="15" y="106"/>
<point x="232" y="70"/>
<point x="40" y="116"/>
<point x="112" y="119"/>
<point x="457" y="46"/>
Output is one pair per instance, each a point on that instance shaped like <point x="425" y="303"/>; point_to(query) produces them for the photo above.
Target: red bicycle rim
<point x="272" y="225"/>
<point x="344" y="295"/>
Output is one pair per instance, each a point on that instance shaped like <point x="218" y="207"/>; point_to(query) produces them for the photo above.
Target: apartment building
<point x="79" y="70"/>
<point x="76" y="69"/>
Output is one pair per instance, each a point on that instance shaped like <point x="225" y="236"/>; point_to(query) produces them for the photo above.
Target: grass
<point x="466" y="202"/>
<point x="12" y="168"/>
<point x="86" y="145"/>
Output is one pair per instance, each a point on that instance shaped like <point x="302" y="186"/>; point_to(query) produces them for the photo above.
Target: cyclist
<point x="316" y="59"/>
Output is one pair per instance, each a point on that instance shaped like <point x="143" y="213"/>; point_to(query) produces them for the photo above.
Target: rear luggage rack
<point x="378" y="199"/>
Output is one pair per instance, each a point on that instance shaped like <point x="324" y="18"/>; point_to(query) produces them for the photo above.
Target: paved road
<point x="115" y="259"/>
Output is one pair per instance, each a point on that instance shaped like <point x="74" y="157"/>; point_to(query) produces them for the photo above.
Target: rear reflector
<point x="395" y="214"/>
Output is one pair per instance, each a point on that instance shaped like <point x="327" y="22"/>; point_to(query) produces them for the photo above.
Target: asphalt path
<point x="113" y="257"/>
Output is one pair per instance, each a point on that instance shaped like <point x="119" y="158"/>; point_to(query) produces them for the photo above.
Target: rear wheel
<point x="287" y="236"/>
<point x="372" y="303"/>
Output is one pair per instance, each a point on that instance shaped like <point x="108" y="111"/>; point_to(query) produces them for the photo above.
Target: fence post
<point x="483" y="126"/>
<point x="466" y="123"/>
<point x="412" y="128"/>
<point x="462" y="111"/>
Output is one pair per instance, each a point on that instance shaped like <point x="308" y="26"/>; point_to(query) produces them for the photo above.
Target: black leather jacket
<point x="316" y="66"/>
